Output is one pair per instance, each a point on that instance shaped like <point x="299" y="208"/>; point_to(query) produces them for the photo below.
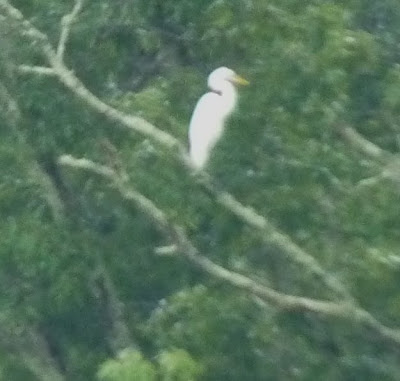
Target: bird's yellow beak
<point x="240" y="80"/>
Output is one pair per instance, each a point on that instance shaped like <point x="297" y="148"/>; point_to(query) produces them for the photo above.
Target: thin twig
<point x="66" y="25"/>
<point x="40" y="70"/>
<point x="388" y="163"/>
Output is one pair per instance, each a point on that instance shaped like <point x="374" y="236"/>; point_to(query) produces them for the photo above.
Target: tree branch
<point x="119" y="336"/>
<point x="340" y="310"/>
<point x="12" y="114"/>
<point x="270" y="235"/>
<point x="31" y="349"/>
<point x="117" y="332"/>
<point x="389" y="163"/>
<point x="69" y="80"/>
<point x="39" y="70"/>
<point x="351" y="136"/>
<point x="66" y="25"/>
<point x="246" y="214"/>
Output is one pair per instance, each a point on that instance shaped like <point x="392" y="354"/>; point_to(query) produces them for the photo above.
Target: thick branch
<point x="66" y="25"/>
<point x="341" y="310"/>
<point x="245" y="214"/>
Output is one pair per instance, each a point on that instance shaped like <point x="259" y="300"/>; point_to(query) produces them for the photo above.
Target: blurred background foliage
<point x="313" y="66"/>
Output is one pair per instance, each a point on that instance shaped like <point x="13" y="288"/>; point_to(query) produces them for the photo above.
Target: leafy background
<point x="313" y="66"/>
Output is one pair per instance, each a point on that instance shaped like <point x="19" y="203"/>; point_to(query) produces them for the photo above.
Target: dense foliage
<point x="83" y="293"/>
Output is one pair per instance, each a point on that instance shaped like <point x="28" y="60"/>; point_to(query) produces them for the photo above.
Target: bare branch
<point x="369" y="182"/>
<point x="271" y="235"/>
<point x="363" y="145"/>
<point x="169" y="250"/>
<point x="66" y="25"/>
<point x="246" y="214"/>
<point x="40" y="70"/>
<point x="340" y="310"/>
<point x="389" y="163"/>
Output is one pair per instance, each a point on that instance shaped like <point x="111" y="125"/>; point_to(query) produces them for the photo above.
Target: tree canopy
<point x="281" y="261"/>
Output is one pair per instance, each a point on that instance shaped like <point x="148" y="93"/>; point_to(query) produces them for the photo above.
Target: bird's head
<point x="218" y="78"/>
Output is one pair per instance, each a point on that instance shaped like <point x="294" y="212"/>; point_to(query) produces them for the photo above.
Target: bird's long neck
<point x="227" y="90"/>
<point x="228" y="97"/>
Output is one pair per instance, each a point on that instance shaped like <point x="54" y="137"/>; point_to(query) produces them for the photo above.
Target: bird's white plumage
<point x="209" y="116"/>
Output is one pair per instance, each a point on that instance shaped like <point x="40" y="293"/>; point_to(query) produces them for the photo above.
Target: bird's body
<point x="209" y="116"/>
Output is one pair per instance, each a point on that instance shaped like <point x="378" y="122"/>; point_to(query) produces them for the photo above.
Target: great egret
<point x="211" y="111"/>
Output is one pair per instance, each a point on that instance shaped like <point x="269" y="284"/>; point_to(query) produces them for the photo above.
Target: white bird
<point x="209" y="115"/>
